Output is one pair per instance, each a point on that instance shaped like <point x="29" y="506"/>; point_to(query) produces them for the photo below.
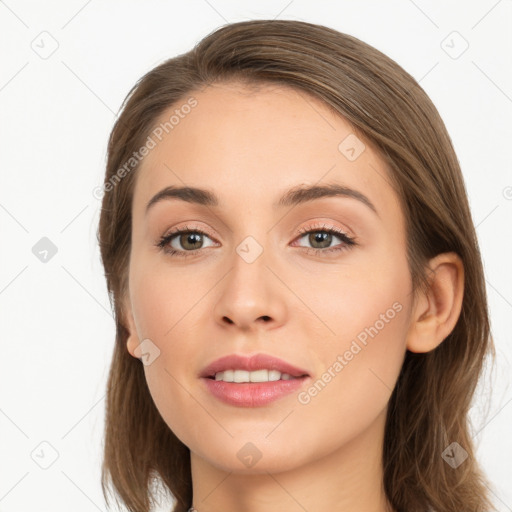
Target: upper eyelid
<point x="187" y="229"/>
<point x="324" y="227"/>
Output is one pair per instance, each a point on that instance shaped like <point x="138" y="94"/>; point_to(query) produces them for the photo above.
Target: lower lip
<point x="252" y="394"/>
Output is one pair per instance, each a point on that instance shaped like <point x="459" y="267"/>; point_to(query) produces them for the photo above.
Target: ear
<point x="436" y="311"/>
<point x="133" y="339"/>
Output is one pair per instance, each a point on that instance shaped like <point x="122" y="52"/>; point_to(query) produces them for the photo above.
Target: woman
<point x="299" y="295"/>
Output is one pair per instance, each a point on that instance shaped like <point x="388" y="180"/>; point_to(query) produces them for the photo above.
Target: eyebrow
<point x="295" y="196"/>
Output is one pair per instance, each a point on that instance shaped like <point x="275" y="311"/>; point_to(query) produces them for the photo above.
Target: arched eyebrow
<point x="295" y="196"/>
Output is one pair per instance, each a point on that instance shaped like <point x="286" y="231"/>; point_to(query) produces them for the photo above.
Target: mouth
<point x="245" y="376"/>
<point x="252" y="381"/>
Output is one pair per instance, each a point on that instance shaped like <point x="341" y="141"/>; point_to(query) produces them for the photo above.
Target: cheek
<point x="165" y="314"/>
<point x="365" y="317"/>
<point x="357" y="370"/>
<point x="365" y="301"/>
<point x="163" y="300"/>
<point x="362" y="362"/>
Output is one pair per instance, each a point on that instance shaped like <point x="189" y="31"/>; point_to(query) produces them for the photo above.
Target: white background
<point x="57" y="332"/>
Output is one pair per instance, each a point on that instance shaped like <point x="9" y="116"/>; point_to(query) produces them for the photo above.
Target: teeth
<point x="229" y="376"/>
<point x="274" y="375"/>
<point x="258" y="376"/>
<point x="255" y="376"/>
<point x="241" y="376"/>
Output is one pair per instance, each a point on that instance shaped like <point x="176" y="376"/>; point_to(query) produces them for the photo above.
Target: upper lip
<point x="251" y="363"/>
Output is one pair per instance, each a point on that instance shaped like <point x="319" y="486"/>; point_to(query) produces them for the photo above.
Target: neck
<point x="348" y="478"/>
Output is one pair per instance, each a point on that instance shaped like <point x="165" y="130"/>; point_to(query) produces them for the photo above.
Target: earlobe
<point x="437" y="310"/>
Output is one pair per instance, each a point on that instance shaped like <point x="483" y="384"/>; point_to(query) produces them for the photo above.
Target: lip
<point x="252" y="394"/>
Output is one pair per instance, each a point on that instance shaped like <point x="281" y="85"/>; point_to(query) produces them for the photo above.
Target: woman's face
<point x="267" y="277"/>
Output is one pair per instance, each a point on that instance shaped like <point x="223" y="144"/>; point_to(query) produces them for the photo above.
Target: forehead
<point x="251" y="144"/>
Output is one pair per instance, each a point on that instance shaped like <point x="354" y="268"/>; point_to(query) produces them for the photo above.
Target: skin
<point x="249" y="147"/>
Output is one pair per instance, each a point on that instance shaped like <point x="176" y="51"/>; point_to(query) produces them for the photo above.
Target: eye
<point x="321" y="237"/>
<point x="190" y="240"/>
<point x="183" y="242"/>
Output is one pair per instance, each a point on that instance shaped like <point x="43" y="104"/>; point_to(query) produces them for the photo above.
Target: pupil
<point x="192" y="238"/>
<point x="320" y="237"/>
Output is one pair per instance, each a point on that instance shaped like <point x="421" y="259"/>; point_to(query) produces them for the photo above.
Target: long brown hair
<point x="428" y="409"/>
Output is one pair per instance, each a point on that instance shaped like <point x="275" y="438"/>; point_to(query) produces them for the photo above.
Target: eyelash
<point x="348" y="241"/>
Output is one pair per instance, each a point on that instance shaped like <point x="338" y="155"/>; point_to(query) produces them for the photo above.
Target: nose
<point x="251" y="296"/>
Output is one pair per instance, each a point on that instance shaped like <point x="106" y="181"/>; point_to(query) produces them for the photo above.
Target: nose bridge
<point x="250" y="290"/>
<point x="249" y="275"/>
<point x="251" y="243"/>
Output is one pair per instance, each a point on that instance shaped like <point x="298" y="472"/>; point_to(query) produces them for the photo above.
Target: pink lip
<point x="252" y="394"/>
